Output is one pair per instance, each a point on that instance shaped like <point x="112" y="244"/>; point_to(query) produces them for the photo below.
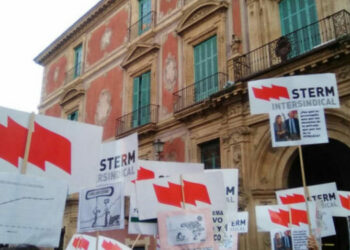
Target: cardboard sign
<point x="190" y="228"/>
<point x="118" y="161"/>
<point x="59" y="149"/>
<point x="101" y="208"/>
<point x="298" y="127"/>
<point x="82" y="242"/>
<point x="293" y="92"/>
<point x="105" y="243"/>
<point x="326" y="193"/>
<point x="31" y="210"/>
<point x="164" y="194"/>
<point x="153" y="170"/>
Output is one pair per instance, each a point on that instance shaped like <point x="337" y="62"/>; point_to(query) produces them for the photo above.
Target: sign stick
<point x="137" y="238"/>
<point x="29" y="139"/>
<point x="306" y="189"/>
<point x="97" y="235"/>
<point x="182" y="191"/>
<point x="78" y="245"/>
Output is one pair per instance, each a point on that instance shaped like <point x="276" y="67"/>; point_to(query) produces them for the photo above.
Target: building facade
<point x="177" y="71"/>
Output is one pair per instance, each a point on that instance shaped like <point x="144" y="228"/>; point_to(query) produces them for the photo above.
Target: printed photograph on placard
<point x="281" y="240"/>
<point x="298" y="127"/>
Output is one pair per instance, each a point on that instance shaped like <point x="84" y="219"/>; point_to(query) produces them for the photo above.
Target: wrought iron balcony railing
<point x="292" y="45"/>
<point x="138" y="118"/>
<point x="199" y="91"/>
<point x="74" y="72"/>
<point x="145" y="23"/>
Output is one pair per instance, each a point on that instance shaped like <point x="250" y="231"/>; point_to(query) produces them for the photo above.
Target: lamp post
<point x="158" y="148"/>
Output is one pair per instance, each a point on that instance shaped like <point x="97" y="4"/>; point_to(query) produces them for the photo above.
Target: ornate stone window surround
<point x="72" y="100"/>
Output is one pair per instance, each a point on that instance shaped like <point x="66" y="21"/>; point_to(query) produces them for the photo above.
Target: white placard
<point x="238" y="221"/>
<point x="298" y="127"/>
<point x="344" y="198"/>
<point x="293" y="92"/>
<point x="31" y="210"/>
<point x="101" y="208"/>
<point x="60" y="149"/>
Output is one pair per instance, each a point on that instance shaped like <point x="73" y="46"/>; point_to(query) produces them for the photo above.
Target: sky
<point x="27" y="27"/>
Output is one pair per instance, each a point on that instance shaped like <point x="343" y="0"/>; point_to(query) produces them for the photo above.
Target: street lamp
<point x="158" y="148"/>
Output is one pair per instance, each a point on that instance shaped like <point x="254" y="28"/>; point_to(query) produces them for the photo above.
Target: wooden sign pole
<point x="137" y="238"/>
<point x="29" y="139"/>
<point x="97" y="235"/>
<point x="78" y="245"/>
<point x="182" y="192"/>
<point x="306" y="189"/>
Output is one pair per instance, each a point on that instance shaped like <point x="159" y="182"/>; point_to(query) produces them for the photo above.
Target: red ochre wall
<point x="54" y="110"/>
<point x="118" y="25"/>
<point x="112" y="81"/>
<point x="167" y="6"/>
<point x="174" y="150"/>
<point x="170" y="50"/>
<point x="51" y="83"/>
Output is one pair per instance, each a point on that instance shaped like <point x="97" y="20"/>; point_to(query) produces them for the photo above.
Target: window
<point x="145" y="15"/>
<point x="210" y="154"/>
<point x="141" y="100"/>
<point x="205" y="69"/>
<point x="73" y="116"/>
<point x="77" y="60"/>
<point x="294" y="15"/>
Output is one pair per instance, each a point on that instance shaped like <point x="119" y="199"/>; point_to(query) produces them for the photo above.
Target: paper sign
<point x="238" y="221"/>
<point x="101" y="208"/>
<point x="118" y="161"/>
<point x="231" y="186"/>
<point x="291" y="239"/>
<point x="31" y="210"/>
<point x="154" y="170"/>
<point x="105" y="243"/>
<point x="293" y="92"/>
<point x="59" y="149"/>
<point x="164" y="194"/>
<point x="190" y="228"/>
<point x="224" y="236"/>
<point x="298" y="127"/>
<point x="82" y="242"/>
<point x="326" y="193"/>
<point x="344" y="210"/>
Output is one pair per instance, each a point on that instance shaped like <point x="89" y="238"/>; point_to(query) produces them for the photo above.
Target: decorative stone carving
<point x="235" y="45"/>
<point x="239" y="132"/>
<point x="243" y="199"/>
<point x="138" y="51"/>
<point x="103" y="107"/>
<point x="170" y="73"/>
<point x="237" y="157"/>
<point x="105" y="39"/>
<point x="343" y="73"/>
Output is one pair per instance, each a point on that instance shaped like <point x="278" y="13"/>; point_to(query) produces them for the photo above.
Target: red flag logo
<point x="81" y="243"/>
<point x="45" y="146"/>
<point x="298" y="216"/>
<point x="294" y="198"/>
<point x="345" y="201"/>
<point x="110" y="246"/>
<point x="267" y="93"/>
<point x="172" y="195"/>
<point x="281" y="217"/>
<point x="144" y="174"/>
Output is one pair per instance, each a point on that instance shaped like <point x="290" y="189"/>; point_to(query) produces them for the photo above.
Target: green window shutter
<point x="297" y="14"/>
<point x="206" y="68"/>
<point x="144" y="15"/>
<point x="77" y="60"/>
<point x="145" y="98"/>
<point x="135" y="102"/>
<point x="73" y="116"/>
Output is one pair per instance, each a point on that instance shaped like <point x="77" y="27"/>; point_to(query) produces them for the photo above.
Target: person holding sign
<point x="280" y="129"/>
<point x="292" y="126"/>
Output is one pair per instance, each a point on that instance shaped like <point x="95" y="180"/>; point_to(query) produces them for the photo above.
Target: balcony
<point x="292" y="46"/>
<point x="143" y="120"/>
<point x="199" y="91"/>
<point x="73" y="73"/>
<point x="144" y="24"/>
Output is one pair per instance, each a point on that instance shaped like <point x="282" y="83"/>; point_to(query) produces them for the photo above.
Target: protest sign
<point x="298" y="127"/>
<point x="224" y="236"/>
<point x="31" y="209"/>
<point x="326" y="193"/>
<point x="105" y="243"/>
<point x="198" y="190"/>
<point x="344" y="209"/>
<point x="82" y="242"/>
<point x="189" y="228"/>
<point x="59" y="148"/>
<point x="230" y="185"/>
<point x="293" y="92"/>
<point x="238" y="221"/>
<point x="101" y="208"/>
<point x="289" y="239"/>
<point x="118" y="160"/>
